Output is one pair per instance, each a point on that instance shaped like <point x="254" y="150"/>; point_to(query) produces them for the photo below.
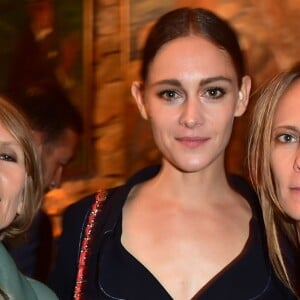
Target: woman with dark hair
<point x="275" y="169"/>
<point x="184" y="230"/>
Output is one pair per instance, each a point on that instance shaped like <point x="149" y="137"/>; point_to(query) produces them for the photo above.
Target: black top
<point x="34" y="255"/>
<point x="116" y="274"/>
<point x="248" y="276"/>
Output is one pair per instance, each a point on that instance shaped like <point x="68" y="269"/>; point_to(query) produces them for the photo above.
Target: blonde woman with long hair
<point x="274" y="166"/>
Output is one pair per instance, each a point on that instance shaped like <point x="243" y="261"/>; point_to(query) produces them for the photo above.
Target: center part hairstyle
<point x="13" y="121"/>
<point x="259" y="161"/>
<point x="184" y="22"/>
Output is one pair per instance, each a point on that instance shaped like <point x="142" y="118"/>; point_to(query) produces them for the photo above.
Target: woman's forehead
<point x="191" y="54"/>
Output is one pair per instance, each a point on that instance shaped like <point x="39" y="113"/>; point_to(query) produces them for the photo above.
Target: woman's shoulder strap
<point x="86" y="241"/>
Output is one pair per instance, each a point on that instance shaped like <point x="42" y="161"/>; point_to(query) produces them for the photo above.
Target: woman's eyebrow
<point x="8" y="143"/>
<point x="203" y="82"/>
<point x="214" y="79"/>
<point x="173" y="82"/>
<point x="289" y="127"/>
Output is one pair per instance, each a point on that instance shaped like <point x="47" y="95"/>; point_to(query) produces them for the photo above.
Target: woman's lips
<point x="192" y="142"/>
<point x="295" y="189"/>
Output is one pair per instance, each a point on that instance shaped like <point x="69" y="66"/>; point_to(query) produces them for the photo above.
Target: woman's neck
<point x="176" y="185"/>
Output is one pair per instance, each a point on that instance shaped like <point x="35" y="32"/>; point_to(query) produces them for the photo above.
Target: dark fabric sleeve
<point x="44" y="249"/>
<point x="62" y="279"/>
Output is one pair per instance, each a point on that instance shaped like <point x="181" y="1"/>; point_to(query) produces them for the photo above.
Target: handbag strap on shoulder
<point x="88" y="235"/>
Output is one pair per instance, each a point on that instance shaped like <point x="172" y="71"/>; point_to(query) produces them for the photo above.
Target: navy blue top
<point x="248" y="276"/>
<point x="113" y="273"/>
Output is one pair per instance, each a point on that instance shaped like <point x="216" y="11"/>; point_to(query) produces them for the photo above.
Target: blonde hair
<point x="17" y="126"/>
<point x="259" y="152"/>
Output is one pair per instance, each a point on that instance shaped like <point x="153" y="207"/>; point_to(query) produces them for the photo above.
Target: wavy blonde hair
<point x="15" y="123"/>
<point x="259" y="155"/>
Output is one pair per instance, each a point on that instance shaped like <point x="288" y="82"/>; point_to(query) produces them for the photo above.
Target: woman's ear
<point x="244" y="94"/>
<point x="137" y="91"/>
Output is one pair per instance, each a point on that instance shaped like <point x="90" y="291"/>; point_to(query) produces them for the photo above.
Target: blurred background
<point x="94" y="55"/>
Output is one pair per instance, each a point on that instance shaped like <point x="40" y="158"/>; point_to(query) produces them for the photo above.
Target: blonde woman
<point x="20" y="196"/>
<point x="274" y="165"/>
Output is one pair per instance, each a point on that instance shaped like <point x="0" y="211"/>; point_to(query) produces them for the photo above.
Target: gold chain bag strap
<point x="86" y="244"/>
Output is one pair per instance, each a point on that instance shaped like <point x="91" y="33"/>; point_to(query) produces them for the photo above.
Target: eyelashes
<point x="215" y="92"/>
<point x="286" y="138"/>
<point x="173" y="95"/>
<point x="169" y="95"/>
<point x="8" y="157"/>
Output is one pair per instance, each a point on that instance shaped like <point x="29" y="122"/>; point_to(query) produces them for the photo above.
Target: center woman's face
<point x="191" y="98"/>
<point x="12" y="177"/>
<point x="285" y="151"/>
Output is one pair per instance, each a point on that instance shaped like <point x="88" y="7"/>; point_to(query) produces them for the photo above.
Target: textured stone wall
<point x="269" y="32"/>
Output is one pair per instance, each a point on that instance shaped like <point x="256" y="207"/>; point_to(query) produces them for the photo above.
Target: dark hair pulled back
<point x="185" y="21"/>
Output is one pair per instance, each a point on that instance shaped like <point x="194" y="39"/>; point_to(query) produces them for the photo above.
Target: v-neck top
<point x="248" y="276"/>
<point x="113" y="273"/>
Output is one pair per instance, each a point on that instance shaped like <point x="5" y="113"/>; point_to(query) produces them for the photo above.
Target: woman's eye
<point x="286" y="138"/>
<point x="169" y="95"/>
<point x="6" y="157"/>
<point x="214" y="92"/>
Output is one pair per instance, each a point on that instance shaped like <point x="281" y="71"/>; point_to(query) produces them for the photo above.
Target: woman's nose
<point x="297" y="161"/>
<point x="192" y="113"/>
